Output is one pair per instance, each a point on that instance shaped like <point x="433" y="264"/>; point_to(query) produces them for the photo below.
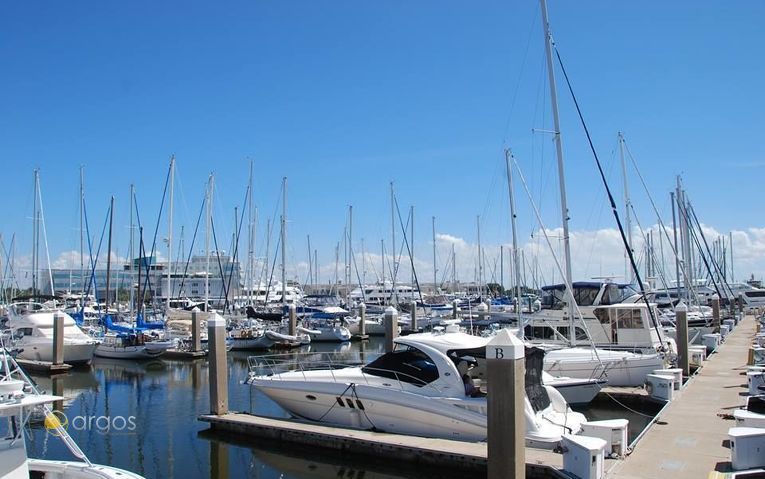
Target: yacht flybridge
<point x="417" y="389"/>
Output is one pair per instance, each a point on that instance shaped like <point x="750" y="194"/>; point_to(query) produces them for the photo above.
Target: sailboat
<point x="622" y="368"/>
<point x="123" y="342"/>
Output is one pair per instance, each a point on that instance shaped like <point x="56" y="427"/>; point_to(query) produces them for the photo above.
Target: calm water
<point x="152" y="409"/>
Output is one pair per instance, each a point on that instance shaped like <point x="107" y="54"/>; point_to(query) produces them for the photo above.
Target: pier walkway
<point x="690" y="437"/>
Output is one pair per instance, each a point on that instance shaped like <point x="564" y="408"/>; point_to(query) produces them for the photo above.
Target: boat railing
<point x="272" y="366"/>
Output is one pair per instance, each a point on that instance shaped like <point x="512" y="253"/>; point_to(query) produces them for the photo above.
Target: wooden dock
<point x="466" y="456"/>
<point x="690" y="437"/>
<point x="44" y="367"/>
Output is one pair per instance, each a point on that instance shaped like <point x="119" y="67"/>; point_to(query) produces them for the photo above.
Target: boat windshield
<point x="408" y="365"/>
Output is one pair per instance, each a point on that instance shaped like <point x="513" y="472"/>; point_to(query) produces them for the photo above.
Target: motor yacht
<point x="31" y="326"/>
<point x="417" y="389"/>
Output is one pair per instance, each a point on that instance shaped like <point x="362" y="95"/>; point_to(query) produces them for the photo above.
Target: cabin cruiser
<point x="417" y="389"/>
<point x="31" y="326"/>
<point x="325" y="327"/>
<point x="384" y="293"/>
<point x="18" y="401"/>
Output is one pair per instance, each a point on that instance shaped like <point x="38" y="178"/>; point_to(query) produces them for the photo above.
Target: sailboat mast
<point x="35" y="234"/>
<point x="394" y="269"/>
<point x="561" y="173"/>
<point x="350" y="254"/>
<point x="480" y="256"/>
<point x="435" y="270"/>
<point x="628" y="273"/>
<point x="516" y="262"/>
<point x="109" y="254"/>
<point x="170" y="231"/>
<point x="284" y="240"/>
<point x="82" y="237"/>
<point x="132" y="253"/>
<point x="208" y="229"/>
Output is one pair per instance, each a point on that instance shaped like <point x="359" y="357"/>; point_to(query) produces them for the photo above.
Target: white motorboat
<point x="325" y="327"/>
<point x="575" y="390"/>
<point x="18" y="400"/>
<point x="132" y="346"/>
<point x="31" y="326"/>
<point x="620" y="368"/>
<point x="416" y="389"/>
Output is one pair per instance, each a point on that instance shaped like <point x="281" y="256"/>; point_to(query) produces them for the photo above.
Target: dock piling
<point x="506" y="370"/>
<point x="293" y="319"/>
<point x="363" y="319"/>
<point x="58" y="338"/>
<point x="716" y="312"/>
<point x="216" y="331"/>
<point x="196" y="336"/>
<point x="454" y="309"/>
<point x="413" y="324"/>
<point x="681" y="325"/>
<point x="391" y="327"/>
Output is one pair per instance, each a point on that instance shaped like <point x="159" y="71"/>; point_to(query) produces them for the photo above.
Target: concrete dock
<point x="690" y="437"/>
<point x="466" y="456"/>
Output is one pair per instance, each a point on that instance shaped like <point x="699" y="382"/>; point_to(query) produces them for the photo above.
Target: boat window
<point x="552" y="298"/>
<point x="629" y="319"/>
<point x="21" y="332"/>
<point x="585" y="296"/>
<point x="581" y="335"/>
<point x="407" y="365"/>
<point x="755" y="294"/>
<point x="539" y="332"/>
<point x="602" y="315"/>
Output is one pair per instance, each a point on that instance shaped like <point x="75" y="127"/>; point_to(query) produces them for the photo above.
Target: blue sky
<point x="344" y="97"/>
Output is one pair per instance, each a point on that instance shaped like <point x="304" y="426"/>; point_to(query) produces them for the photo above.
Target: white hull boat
<point x="117" y="347"/>
<point x="620" y="368"/>
<point x="416" y="389"/>
<point x="31" y="325"/>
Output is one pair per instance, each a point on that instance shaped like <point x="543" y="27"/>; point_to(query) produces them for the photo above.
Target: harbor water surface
<point x="142" y="416"/>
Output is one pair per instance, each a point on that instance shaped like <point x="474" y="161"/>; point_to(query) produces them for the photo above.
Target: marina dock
<point x="689" y="438"/>
<point x="466" y="456"/>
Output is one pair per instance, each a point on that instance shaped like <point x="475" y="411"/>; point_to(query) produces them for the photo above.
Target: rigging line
<point x="93" y="261"/>
<point x="236" y="247"/>
<point x="156" y="230"/>
<point x="698" y="245"/>
<point x="658" y="216"/>
<point x="406" y="243"/>
<point x="191" y="248"/>
<point x="520" y="75"/>
<point x="610" y="196"/>
<point x="692" y="212"/>
<point x="220" y="265"/>
<point x="643" y="236"/>
<point x="569" y="287"/>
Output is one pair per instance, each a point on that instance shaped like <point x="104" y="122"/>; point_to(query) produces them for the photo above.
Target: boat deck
<point x="690" y="437"/>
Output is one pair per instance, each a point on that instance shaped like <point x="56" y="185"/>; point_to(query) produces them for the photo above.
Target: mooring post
<point x="741" y="304"/>
<point x="216" y="332"/>
<point x="413" y="324"/>
<point x="391" y="327"/>
<point x="506" y="422"/>
<point x="681" y="327"/>
<point x="362" y="320"/>
<point x="292" y="309"/>
<point x="454" y="309"/>
<point x="196" y="332"/>
<point x="716" y="312"/>
<point x="58" y="338"/>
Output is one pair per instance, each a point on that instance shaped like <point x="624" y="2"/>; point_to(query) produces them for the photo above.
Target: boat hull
<point x="74" y="353"/>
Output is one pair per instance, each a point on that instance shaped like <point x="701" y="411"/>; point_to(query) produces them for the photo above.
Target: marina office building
<point x="186" y="279"/>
